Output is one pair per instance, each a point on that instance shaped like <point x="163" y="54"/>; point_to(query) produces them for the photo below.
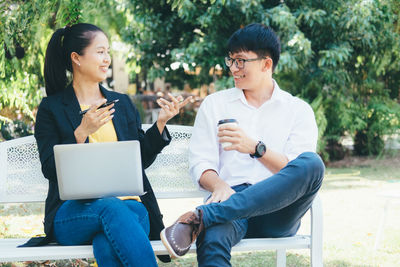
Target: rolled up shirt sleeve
<point x="303" y="136"/>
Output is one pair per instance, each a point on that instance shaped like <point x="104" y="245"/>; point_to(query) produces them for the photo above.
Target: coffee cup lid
<point x="227" y="121"/>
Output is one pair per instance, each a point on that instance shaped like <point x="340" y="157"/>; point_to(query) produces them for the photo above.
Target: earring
<point x="79" y="64"/>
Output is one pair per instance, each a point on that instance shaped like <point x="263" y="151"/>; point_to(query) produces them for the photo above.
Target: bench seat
<point x="21" y="180"/>
<point x="9" y="251"/>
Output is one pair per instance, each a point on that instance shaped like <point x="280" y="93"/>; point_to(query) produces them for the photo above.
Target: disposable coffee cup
<point x="227" y="122"/>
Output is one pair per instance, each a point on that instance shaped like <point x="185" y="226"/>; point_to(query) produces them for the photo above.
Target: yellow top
<point x="106" y="133"/>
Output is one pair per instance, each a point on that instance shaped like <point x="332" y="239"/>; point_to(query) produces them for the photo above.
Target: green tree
<point x="343" y="55"/>
<point x="26" y="27"/>
<point x="340" y="56"/>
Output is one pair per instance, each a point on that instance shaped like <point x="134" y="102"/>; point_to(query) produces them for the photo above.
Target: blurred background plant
<point x="342" y="57"/>
<point x="26" y="27"/>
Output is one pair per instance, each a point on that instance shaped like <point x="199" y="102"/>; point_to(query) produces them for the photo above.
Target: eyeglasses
<point x="239" y="62"/>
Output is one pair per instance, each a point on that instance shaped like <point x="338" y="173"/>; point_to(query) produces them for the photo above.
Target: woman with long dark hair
<point x="118" y="229"/>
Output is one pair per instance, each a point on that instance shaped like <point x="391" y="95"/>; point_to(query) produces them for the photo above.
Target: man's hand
<point x="242" y="143"/>
<point x="220" y="190"/>
<point x="237" y="137"/>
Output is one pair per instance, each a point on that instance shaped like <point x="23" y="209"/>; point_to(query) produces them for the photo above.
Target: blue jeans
<point x="117" y="229"/>
<point x="270" y="208"/>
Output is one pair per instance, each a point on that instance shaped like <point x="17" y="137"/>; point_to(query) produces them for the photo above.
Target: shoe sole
<point x="164" y="240"/>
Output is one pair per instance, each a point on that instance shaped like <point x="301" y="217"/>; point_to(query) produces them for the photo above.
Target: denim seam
<point x="145" y="217"/>
<point x="75" y="219"/>
<point x="114" y="245"/>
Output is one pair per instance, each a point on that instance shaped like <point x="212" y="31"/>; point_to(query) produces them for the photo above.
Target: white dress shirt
<point x="286" y="124"/>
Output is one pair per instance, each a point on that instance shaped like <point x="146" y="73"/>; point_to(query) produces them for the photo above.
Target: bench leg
<point x="280" y="258"/>
<point x="316" y="233"/>
<point x="379" y="235"/>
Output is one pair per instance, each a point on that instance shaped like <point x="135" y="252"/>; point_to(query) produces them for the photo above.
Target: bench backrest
<point x="21" y="178"/>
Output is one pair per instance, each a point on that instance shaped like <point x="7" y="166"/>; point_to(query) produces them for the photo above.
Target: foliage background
<point x="340" y="56"/>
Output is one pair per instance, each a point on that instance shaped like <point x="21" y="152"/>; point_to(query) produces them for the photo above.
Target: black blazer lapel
<point x="119" y="114"/>
<point x="71" y="107"/>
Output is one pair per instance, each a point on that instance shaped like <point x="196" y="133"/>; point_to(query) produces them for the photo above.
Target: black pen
<point x="83" y="112"/>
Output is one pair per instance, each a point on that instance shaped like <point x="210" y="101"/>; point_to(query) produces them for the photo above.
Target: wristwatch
<point x="260" y="150"/>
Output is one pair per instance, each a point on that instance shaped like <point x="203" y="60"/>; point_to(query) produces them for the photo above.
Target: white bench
<point x="21" y="180"/>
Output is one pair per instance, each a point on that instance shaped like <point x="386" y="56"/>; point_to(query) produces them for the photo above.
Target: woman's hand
<point x="93" y="119"/>
<point x="169" y="109"/>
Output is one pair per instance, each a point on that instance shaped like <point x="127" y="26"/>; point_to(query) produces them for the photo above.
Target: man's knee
<point x="313" y="164"/>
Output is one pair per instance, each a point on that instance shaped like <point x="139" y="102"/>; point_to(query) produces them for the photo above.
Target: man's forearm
<point x="210" y="180"/>
<point x="274" y="161"/>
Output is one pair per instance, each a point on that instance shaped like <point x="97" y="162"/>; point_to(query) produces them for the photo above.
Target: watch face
<point x="261" y="149"/>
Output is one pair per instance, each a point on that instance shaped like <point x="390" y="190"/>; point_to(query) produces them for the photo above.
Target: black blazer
<point x="58" y="117"/>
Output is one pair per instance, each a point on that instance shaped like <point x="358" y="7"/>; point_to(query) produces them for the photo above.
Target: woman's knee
<point x="109" y="205"/>
<point x="107" y="201"/>
<point x="137" y="207"/>
<point x="140" y="211"/>
<point x="75" y="224"/>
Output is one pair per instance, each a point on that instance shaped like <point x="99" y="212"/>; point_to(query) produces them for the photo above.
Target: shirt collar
<point x="236" y="94"/>
<point x="277" y="94"/>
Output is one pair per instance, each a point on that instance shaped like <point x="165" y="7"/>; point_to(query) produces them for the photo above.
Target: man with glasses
<point x="263" y="183"/>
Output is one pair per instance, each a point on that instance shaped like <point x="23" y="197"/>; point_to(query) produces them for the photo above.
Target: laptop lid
<point x="97" y="170"/>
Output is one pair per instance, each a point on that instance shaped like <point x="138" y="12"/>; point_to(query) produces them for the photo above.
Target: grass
<point x="352" y="210"/>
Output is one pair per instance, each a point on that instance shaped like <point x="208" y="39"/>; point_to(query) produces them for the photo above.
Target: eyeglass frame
<point x="236" y="60"/>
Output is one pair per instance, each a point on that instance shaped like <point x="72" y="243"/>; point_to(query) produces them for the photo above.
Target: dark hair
<point x="256" y="38"/>
<point x="58" y="54"/>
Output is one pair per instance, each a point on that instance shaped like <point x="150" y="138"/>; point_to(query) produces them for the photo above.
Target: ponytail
<point x="55" y="67"/>
<point x="58" y="54"/>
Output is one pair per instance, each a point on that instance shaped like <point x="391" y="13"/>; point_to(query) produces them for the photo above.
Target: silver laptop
<point x="97" y="170"/>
